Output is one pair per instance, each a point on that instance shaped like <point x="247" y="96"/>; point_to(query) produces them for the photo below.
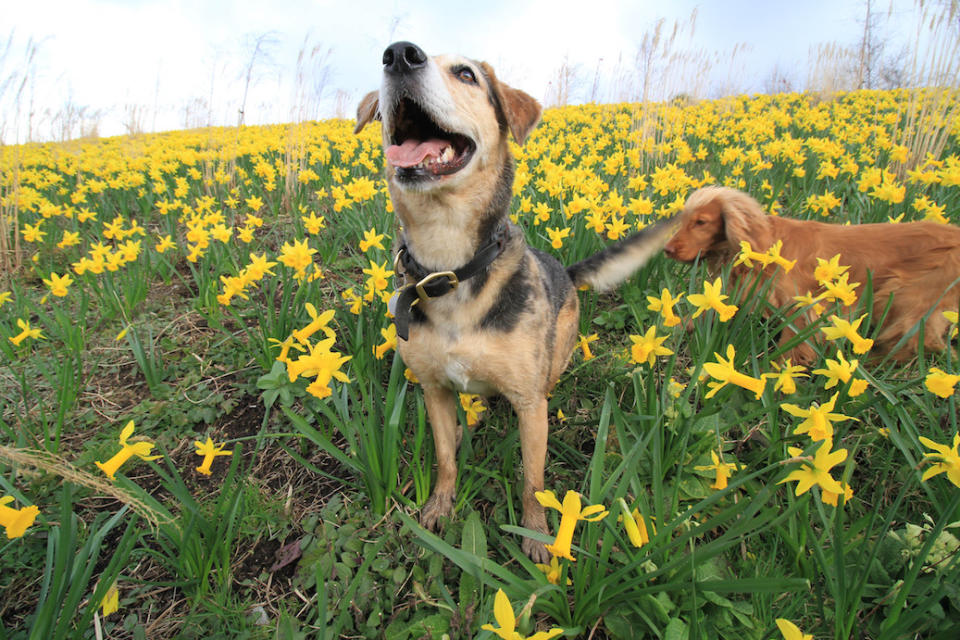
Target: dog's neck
<point x="444" y="229"/>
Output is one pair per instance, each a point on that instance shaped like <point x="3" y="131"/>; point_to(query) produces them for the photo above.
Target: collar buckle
<point x="452" y="281"/>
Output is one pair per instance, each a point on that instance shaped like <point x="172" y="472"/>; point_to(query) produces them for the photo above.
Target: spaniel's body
<point x="917" y="263"/>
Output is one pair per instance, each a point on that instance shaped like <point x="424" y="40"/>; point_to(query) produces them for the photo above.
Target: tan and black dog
<point x="479" y="310"/>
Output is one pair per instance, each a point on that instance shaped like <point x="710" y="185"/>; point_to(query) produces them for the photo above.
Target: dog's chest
<point x="452" y="357"/>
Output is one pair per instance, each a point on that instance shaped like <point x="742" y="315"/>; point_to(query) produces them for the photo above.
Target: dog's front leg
<point x="533" y="448"/>
<point x="442" y="411"/>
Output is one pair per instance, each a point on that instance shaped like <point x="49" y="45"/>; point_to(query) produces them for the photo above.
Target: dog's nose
<point x="670" y="250"/>
<point x="403" y="57"/>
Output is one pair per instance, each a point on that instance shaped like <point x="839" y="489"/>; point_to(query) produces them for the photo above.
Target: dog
<point x="478" y="310"/>
<point x="915" y="263"/>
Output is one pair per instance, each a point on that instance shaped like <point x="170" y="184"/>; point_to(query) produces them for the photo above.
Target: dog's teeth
<point x="447" y="155"/>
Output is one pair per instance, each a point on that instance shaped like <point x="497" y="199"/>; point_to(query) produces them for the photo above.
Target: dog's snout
<point x="403" y="57"/>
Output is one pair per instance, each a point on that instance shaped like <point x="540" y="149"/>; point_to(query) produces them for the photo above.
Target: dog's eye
<point x="465" y="74"/>
<point x="699" y="223"/>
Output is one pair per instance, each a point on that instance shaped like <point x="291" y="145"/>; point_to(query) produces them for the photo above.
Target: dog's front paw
<point x="439" y="506"/>
<point x="535" y="550"/>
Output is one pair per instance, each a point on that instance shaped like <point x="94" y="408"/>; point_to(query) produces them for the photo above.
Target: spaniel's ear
<point x="368" y="110"/>
<point x="520" y="110"/>
<point x="745" y="220"/>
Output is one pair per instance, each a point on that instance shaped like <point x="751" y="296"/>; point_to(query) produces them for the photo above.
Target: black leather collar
<point x="433" y="284"/>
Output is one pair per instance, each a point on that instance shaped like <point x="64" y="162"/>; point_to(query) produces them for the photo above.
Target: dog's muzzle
<point x="418" y="147"/>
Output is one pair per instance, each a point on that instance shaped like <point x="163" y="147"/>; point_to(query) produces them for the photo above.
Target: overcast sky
<point x="168" y="64"/>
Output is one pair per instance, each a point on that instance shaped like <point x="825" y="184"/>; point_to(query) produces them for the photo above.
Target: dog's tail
<point x="616" y="263"/>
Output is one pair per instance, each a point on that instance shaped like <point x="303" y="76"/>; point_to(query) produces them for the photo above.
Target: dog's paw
<point x="536" y="520"/>
<point x="535" y="550"/>
<point x="439" y="506"/>
<point x="802" y="354"/>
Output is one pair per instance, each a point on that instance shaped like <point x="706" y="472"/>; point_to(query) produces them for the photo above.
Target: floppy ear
<point x="521" y="111"/>
<point x="745" y="219"/>
<point x="368" y="110"/>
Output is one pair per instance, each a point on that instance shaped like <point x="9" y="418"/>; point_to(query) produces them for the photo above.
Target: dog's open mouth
<point x="420" y="148"/>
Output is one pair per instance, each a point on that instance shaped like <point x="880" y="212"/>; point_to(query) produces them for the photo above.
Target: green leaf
<point x="676" y="630"/>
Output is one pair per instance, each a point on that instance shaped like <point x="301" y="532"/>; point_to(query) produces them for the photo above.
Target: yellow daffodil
<point x="507" y="622"/>
<point x="318" y="322"/>
<point x="313" y="223"/>
<point x="748" y="256"/>
<point x="5" y="297"/>
<point x="635" y="525"/>
<point x="952" y="317"/>
<point x="371" y="239"/>
<point x="616" y="228"/>
<point x="829" y="270"/>
<point x="164" y="244"/>
<point x="209" y="451"/>
<point x="839" y="370"/>
<point x="785" y="375"/>
<point x="584" y="344"/>
<point x="774" y="253"/>
<point x="831" y="498"/>
<point x="946" y="459"/>
<point x="664" y="306"/>
<point x="840" y="289"/>
<point x="472" y="406"/>
<point x="845" y="329"/>
<point x="320" y="363"/>
<point x="818" y="420"/>
<point x="939" y="382"/>
<point x="296" y="255"/>
<point x="139" y="449"/>
<point x="711" y="298"/>
<point x="816" y="471"/>
<point x="552" y="571"/>
<point x="259" y="267"/>
<point x="725" y="373"/>
<point x="570" y="514"/>
<point x="356" y="302"/>
<point x="285" y="347"/>
<point x="646" y="348"/>
<point x="722" y="470"/>
<point x="791" y="631"/>
<point x="33" y="233"/>
<point x="70" y="239"/>
<point x="557" y="236"/>
<point x="16" y="521"/>
<point x="111" y="600"/>
<point x="389" y="342"/>
<point x="26" y="331"/>
<point x="377" y="282"/>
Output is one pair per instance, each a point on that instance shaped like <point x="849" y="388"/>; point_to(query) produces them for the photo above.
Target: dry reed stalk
<point x="934" y="86"/>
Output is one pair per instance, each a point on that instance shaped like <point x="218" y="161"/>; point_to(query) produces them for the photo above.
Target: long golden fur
<point x="917" y="263"/>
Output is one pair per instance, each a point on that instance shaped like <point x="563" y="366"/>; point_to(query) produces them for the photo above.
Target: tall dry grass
<point x="934" y="79"/>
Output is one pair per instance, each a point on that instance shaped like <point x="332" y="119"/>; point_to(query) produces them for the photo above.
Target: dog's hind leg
<point x="442" y="412"/>
<point x="533" y="447"/>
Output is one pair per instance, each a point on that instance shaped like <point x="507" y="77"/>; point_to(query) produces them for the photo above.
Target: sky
<point x="149" y="65"/>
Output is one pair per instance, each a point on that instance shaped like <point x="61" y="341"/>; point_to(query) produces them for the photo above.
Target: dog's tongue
<point x="412" y="152"/>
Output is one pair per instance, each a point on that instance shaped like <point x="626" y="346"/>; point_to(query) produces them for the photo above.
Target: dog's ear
<point x="745" y="220"/>
<point x="520" y="110"/>
<point x="368" y="110"/>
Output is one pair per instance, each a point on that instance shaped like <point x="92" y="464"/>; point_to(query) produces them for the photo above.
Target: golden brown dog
<point x="917" y="263"/>
<point x="479" y="311"/>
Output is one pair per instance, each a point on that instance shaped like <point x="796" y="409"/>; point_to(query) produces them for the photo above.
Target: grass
<point x="309" y="528"/>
